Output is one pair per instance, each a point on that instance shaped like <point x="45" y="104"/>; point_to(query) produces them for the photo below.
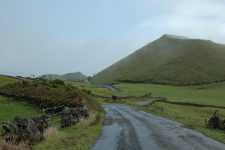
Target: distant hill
<point x="76" y="76"/>
<point x="171" y="59"/>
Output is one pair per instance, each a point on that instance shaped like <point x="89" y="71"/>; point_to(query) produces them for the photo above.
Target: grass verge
<point x="193" y="117"/>
<point x="78" y="137"/>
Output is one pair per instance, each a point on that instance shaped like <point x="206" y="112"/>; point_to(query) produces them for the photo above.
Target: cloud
<point x="198" y="19"/>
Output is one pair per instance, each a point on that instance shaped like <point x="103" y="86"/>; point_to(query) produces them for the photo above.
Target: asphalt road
<point x="129" y="129"/>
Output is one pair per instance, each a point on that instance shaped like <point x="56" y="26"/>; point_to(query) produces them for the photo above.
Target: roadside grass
<point x="193" y="117"/>
<point x="213" y="94"/>
<point x="78" y="137"/>
<point x="10" y="108"/>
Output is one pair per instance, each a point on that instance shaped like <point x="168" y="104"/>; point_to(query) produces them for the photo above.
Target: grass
<point x="212" y="94"/>
<point x="169" y="61"/>
<point x="6" y="80"/>
<point x="193" y="117"/>
<point x="83" y="135"/>
<point x="97" y="90"/>
<point x="9" y="109"/>
<point x="78" y="137"/>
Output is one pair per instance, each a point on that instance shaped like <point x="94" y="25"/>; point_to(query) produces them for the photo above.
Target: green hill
<point x="170" y="59"/>
<point x="76" y="76"/>
<point x="7" y="80"/>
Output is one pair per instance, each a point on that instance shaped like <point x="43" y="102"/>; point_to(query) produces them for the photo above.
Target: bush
<point x="58" y="82"/>
<point x="89" y="91"/>
<point x="44" y="95"/>
<point x="114" y="97"/>
<point x="216" y="122"/>
<point x="25" y="83"/>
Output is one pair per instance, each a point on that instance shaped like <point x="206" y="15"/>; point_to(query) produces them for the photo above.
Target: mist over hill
<point x="171" y="59"/>
<point x="76" y="76"/>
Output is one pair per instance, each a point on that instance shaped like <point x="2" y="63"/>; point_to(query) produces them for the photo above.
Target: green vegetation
<point x="193" y="117"/>
<point x="44" y="93"/>
<point x="10" y="108"/>
<point x="170" y="60"/>
<point x="7" y="80"/>
<point x="76" y="76"/>
<point x="95" y="89"/>
<point x="212" y="94"/>
<point x="82" y="135"/>
<point x="78" y="137"/>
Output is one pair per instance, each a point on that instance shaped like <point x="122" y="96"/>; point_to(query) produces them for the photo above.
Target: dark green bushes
<point x="44" y="93"/>
<point x="216" y="122"/>
<point x="114" y="97"/>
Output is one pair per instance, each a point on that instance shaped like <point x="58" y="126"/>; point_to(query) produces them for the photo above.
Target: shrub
<point x="59" y="82"/>
<point x="89" y="91"/>
<point x="114" y="97"/>
<point x="216" y="122"/>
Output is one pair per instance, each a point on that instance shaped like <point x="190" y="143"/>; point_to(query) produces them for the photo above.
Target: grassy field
<point x="193" y="117"/>
<point x="213" y="94"/>
<point x="78" y="137"/>
<point x="9" y="109"/>
<point x="97" y="90"/>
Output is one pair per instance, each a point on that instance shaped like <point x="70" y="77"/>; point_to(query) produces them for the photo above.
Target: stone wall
<point x="25" y="130"/>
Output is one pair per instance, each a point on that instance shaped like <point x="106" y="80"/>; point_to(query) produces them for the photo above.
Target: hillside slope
<point x="76" y="76"/>
<point x="7" y="79"/>
<point x="170" y="60"/>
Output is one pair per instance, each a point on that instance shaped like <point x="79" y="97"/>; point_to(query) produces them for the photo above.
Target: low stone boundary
<point x="68" y="115"/>
<point x="25" y="130"/>
<point x="31" y="131"/>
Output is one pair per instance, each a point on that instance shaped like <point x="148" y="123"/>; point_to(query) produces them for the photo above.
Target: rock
<point x="72" y="115"/>
<point x="66" y="118"/>
<point x="42" y="122"/>
<point x="32" y="131"/>
<point x="24" y="130"/>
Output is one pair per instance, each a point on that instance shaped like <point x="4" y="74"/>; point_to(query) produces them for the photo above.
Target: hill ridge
<point x="73" y="76"/>
<point x="177" y="61"/>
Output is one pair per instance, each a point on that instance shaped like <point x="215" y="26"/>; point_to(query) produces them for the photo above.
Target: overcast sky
<point x="60" y="36"/>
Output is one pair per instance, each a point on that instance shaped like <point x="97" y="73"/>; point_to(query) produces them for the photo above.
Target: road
<point x="129" y="129"/>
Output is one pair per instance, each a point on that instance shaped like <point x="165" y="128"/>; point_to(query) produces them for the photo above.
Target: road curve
<point x="129" y="129"/>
